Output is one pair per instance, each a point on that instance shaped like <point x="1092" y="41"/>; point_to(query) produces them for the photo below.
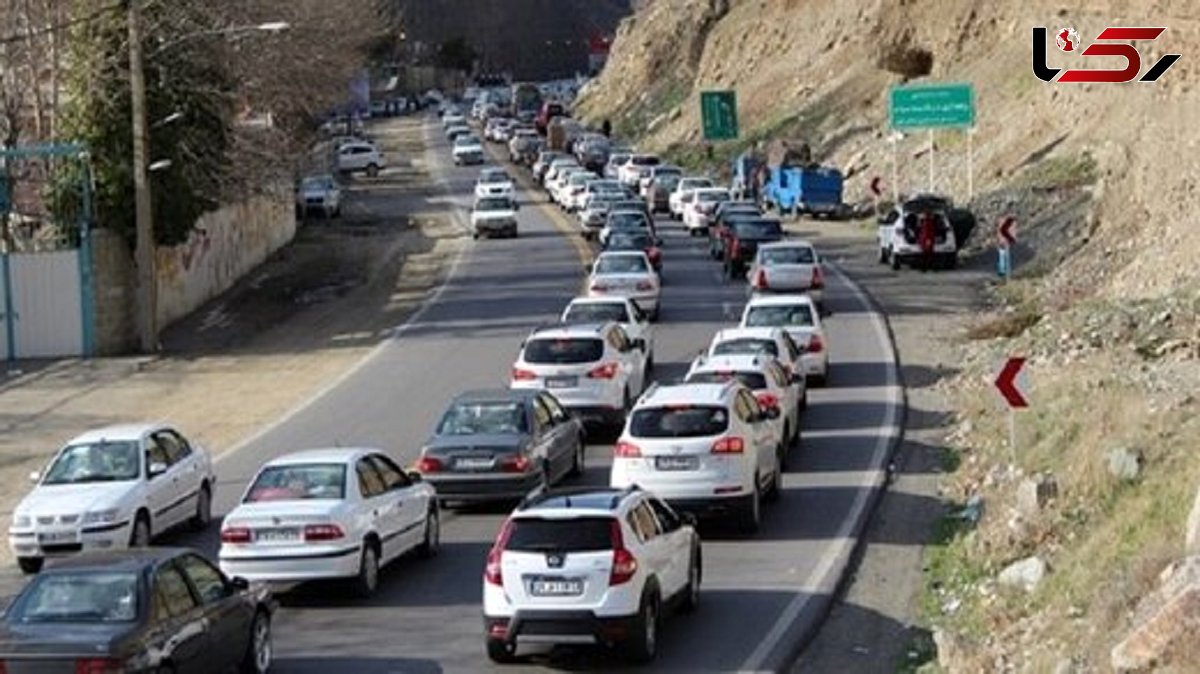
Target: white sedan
<point x="329" y="513"/>
<point x="112" y="488"/>
<point x="623" y="310"/>
<point x="626" y="274"/>
<point x="686" y="186"/>
<point x="494" y="182"/>
<point x="798" y="315"/>
<point x="703" y="205"/>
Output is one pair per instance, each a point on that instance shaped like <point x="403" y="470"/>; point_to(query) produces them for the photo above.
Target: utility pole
<point x="147" y="275"/>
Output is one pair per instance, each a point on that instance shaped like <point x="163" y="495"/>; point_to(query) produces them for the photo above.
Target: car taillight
<point x="818" y="279"/>
<point x="729" y="446"/>
<point x="624" y="564"/>
<point x="760" y="279"/>
<point x="627" y="450"/>
<point x="768" y="399"/>
<point x="599" y="287"/>
<point x="517" y="463"/>
<point x="645" y="285"/>
<point x="323" y="532"/>
<point x="491" y="571"/>
<point x="520" y="374"/>
<point x="815" y="345"/>
<point x="430" y="464"/>
<point x="93" y="666"/>
<point x="235" y="535"/>
<point x="605" y="371"/>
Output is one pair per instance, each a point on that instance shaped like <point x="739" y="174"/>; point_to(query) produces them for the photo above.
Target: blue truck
<point x="816" y="190"/>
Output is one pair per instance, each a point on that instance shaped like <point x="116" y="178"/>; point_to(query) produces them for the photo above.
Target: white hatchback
<point x="329" y="513"/>
<point x="112" y="488"/>
<point x="626" y="274"/>
<point x="710" y="448"/>
<point x="798" y="315"/>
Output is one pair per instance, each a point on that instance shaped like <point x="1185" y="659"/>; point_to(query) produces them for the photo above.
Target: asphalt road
<point x="762" y="595"/>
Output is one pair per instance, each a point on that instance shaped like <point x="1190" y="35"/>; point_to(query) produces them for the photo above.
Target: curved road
<point x="762" y="595"/>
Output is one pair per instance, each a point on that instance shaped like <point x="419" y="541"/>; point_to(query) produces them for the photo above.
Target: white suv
<point x="772" y="383"/>
<point x="360" y="156"/>
<point x="594" y="369"/>
<point x="589" y="566"/>
<point x="705" y="447"/>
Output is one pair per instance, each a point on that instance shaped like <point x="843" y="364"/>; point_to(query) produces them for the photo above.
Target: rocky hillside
<point x="1103" y="181"/>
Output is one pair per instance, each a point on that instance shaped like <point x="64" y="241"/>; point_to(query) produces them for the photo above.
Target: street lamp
<point x="147" y="296"/>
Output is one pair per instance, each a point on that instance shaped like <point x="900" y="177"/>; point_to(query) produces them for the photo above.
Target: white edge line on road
<point x="432" y="299"/>
<point x="826" y="576"/>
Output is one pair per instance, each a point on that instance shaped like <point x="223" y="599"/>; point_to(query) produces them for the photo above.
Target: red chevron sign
<point x="1010" y="383"/>
<point x="1006" y="230"/>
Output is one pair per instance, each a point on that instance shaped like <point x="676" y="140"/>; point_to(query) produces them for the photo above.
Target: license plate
<point x="562" y="382"/>
<point x="474" y="463"/>
<point x="286" y="535"/>
<point x="677" y="462"/>
<point x="58" y="537"/>
<point x="556" y="587"/>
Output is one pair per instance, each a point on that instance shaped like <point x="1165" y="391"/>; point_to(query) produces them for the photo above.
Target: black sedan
<point x="142" y="610"/>
<point x="501" y="444"/>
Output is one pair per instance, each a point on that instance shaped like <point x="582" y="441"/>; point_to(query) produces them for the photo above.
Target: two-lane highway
<point x="761" y="594"/>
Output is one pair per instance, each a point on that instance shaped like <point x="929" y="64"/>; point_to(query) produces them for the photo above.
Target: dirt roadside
<point x="308" y="314"/>
<point x="874" y="624"/>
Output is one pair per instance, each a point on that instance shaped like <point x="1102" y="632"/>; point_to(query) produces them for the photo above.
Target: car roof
<point x="326" y="455"/>
<point x="495" y="394"/>
<point x="600" y="300"/>
<point x="790" y="243"/>
<point x="675" y="394"/>
<point x="758" y="332"/>
<point x="738" y="362"/>
<point x="712" y="189"/>
<point x="620" y="253"/>
<point x="131" y="559"/>
<point x="780" y="300"/>
<point x="574" y="502"/>
<point x="115" y="432"/>
<point x="564" y="330"/>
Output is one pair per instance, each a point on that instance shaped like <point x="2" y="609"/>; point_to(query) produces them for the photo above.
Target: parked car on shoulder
<point x="359" y="156"/>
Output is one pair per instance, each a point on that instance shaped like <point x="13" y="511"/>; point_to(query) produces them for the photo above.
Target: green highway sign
<point x="718" y="113"/>
<point x="929" y="106"/>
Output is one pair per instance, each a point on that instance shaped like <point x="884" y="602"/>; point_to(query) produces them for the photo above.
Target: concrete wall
<point x="225" y="245"/>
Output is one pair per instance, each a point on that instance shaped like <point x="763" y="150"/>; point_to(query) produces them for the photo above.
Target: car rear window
<point x="744" y="346"/>
<point x="757" y="230"/>
<point x="299" y="482"/>
<point x="626" y="220"/>
<point x="683" y="421"/>
<point x="621" y="264"/>
<point x="645" y="160"/>
<point x="789" y="255"/>
<point x="779" y="316"/>
<point x="84" y="597"/>
<point x="707" y="197"/>
<point x="577" y="534"/>
<point x="563" y="351"/>
<point x="597" y="312"/>
<point x="751" y="380"/>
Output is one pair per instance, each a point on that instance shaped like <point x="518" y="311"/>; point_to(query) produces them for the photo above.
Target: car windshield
<point x="708" y="197"/>
<point x="789" y="255"/>
<point x="299" y="482"/>
<point x="784" y="315"/>
<point x="577" y="534"/>
<point x="493" y="204"/>
<point x="600" y="203"/>
<point x="493" y="176"/>
<point x="482" y="418"/>
<point x="104" y="461"/>
<point x="317" y="183"/>
<point x="597" y="312"/>
<point x="752" y="380"/>
<point x="83" y="597"/>
<point x="618" y="159"/>
<point x="563" y="351"/>
<point x="581" y="178"/>
<point x="626" y="220"/>
<point x="682" y="421"/>
<point x="630" y="241"/>
<point x="757" y="230"/>
<point x="746" y="346"/>
<point x="621" y="264"/>
<point x="645" y="160"/>
<point x="694" y="183"/>
<point x="667" y="181"/>
<point x="463" y="141"/>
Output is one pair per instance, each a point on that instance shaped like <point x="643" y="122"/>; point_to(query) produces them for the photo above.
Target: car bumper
<point x="710" y="506"/>
<point x="815" y="365"/>
<point x="488" y="226"/>
<point x="560" y="627"/>
<point x="817" y="295"/>
<point x="287" y="566"/>
<point x="113" y="536"/>
<point x="483" y="487"/>
<point x="469" y="158"/>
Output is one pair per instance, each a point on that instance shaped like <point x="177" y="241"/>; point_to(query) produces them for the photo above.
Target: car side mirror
<point x="35" y="476"/>
<point x="415" y="476"/>
<point x="240" y="584"/>
<point x="155" y="469"/>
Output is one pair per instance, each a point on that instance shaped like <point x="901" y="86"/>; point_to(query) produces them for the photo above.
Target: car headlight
<point x="101" y="516"/>
<point x="22" y="521"/>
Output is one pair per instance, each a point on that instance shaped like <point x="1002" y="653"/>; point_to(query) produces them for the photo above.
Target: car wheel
<point x="895" y="260"/>
<point x="883" y="255"/>
<point x="643" y="645"/>
<point x="203" y="516"/>
<point x="501" y="652"/>
<point x="260" y="651"/>
<point x="776" y="488"/>
<point x="750" y="517"/>
<point x="433" y="533"/>
<point x="372" y="170"/>
<point x="140" y="536"/>
<point x="580" y="452"/>
<point x="692" y="599"/>
<point x="30" y="565"/>
<point x="803" y="402"/>
<point x="367" y="580"/>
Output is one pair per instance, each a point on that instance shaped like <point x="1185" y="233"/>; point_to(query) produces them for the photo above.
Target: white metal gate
<point x="46" y="296"/>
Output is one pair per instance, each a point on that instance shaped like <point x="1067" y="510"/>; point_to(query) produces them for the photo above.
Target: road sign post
<point x="1006" y="237"/>
<point x="876" y="192"/>
<point x="932" y="107"/>
<point x="1011" y="383"/>
<point x="718" y="115"/>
